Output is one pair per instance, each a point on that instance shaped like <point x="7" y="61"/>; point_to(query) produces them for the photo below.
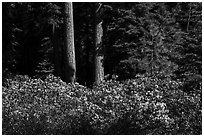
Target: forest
<point x="101" y="68"/>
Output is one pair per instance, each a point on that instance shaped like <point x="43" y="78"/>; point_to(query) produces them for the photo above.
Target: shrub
<point x="144" y="105"/>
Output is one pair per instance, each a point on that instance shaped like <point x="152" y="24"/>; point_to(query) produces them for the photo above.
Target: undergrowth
<point x="144" y="105"/>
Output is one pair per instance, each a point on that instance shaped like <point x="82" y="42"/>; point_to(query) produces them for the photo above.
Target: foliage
<point x="144" y="105"/>
<point x="147" y="38"/>
<point x="155" y="49"/>
<point x="189" y="58"/>
<point x="148" y="35"/>
<point x="139" y="38"/>
<point x="27" y="37"/>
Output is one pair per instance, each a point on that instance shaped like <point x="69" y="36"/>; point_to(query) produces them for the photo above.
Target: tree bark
<point x="98" y="49"/>
<point x="69" y="50"/>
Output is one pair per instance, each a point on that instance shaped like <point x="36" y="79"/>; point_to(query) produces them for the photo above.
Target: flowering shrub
<point x="145" y="105"/>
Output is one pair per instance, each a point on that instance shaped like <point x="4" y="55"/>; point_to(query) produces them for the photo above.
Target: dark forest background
<point x="139" y="38"/>
<point x="148" y="40"/>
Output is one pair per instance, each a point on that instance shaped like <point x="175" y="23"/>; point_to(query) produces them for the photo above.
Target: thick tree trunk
<point x="69" y="50"/>
<point x="98" y="60"/>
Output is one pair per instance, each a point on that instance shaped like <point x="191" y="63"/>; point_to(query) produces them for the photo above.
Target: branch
<point x="100" y="4"/>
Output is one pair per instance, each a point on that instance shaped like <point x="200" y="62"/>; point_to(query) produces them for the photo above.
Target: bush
<point x="145" y="105"/>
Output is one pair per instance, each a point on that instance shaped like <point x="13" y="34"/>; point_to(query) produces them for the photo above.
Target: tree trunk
<point x="69" y="51"/>
<point x="98" y="49"/>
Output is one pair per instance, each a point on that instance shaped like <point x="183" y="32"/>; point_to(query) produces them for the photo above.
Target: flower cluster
<point x="145" y="105"/>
